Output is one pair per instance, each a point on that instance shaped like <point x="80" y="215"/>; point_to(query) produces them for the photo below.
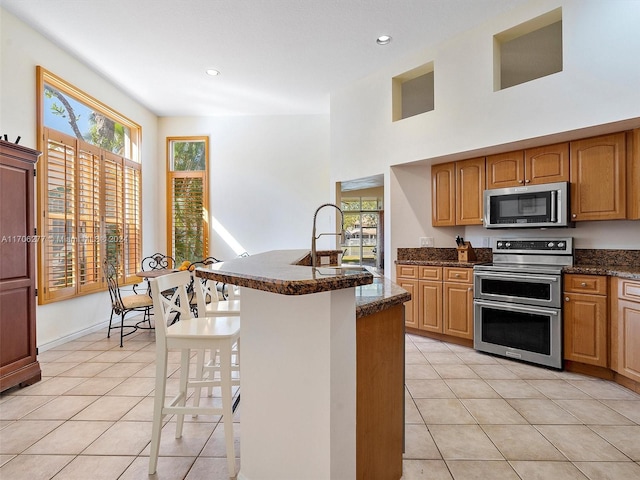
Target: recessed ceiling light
<point x="212" y="72"/>
<point x="383" y="39"/>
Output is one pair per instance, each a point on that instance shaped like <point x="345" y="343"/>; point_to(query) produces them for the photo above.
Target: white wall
<point x="268" y="174"/>
<point x="598" y="85"/>
<point x="22" y="49"/>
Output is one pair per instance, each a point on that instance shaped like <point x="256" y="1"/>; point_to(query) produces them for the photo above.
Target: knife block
<point x="466" y="253"/>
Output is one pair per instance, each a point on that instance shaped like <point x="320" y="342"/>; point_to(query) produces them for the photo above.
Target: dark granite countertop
<point x="287" y="272"/>
<point x="440" y="263"/>
<point x="378" y="296"/>
<point x="622" y="271"/>
<point x="614" y="263"/>
<point x="280" y="271"/>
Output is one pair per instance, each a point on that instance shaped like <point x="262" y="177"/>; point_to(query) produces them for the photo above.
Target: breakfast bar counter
<point x="322" y="376"/>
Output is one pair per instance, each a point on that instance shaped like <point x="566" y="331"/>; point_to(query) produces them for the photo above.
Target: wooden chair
<point x="218" y="334"/>
<point x="123" y="305"/>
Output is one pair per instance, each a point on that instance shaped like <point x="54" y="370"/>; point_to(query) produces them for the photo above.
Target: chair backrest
<point x="111" y="276"/>
<point x="205" y="291"/>
<point x="157" y="261"/>
<point x="174" y="302"/>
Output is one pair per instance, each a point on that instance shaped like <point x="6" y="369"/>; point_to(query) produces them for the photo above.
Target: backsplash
<point x="583" y="256"/>
<point x="598" y="257"/>
<point x="441" y="254"/>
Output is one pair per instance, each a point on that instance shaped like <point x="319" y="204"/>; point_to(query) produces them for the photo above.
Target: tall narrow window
<point x="89" y="192"/>
<point x="187" y="162"/>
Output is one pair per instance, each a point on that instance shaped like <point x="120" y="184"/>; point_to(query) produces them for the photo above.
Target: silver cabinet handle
<point x="566" y="299"/>
<point x="583" y="284"/>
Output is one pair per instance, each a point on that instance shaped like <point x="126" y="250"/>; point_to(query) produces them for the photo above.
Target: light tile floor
<point x="468" y="416"/>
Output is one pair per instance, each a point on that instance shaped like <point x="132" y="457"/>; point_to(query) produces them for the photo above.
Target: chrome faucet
<point x="314" y="237"/>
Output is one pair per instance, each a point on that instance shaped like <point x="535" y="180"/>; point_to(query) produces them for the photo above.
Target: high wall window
<point x="187" y="194"/>
<point x="528" y="51"/>
<point x="89" y="184"/>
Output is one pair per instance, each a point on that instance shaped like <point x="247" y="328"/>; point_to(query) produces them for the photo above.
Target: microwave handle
<point x="554" y="203"/>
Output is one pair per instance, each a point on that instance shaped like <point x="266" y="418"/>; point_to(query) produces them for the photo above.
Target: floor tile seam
<point x="53" y="397"/>
<point x="74" y="456"/>
<point x="61" y="422"/>
<point x="600" y="402"/>
<point x="465" y="460"/>
<point x="540" y="433"/>
<point x="141" y="398"/>
<point x="586" y="426"/>
<point x="107" y="454"/>
<point x="529" y="380"/>
<point x="483" y="432"/>
<point x="605" y="439"/>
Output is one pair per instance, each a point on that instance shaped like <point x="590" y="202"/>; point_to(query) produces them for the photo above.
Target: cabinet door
<point x="598" y="178"/>
<point x="431" y="306"/>
<point x="443" y="195"/>
<point x="470" y="182"/>
<point x="585" y="328"/>
<point x="458" y="310"/>
<point x="505" y="170"/>
<point x="547" y="164"/>
<point x="626" y="334"/>
<point x="410" y="307"/>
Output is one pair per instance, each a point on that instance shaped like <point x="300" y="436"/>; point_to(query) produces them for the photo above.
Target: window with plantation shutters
<point x="89" y="193"/>
<point x="57" y="249"/>
<point x="187" y="194"/>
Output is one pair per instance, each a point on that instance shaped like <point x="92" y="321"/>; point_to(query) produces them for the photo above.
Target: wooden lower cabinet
<point x="444" y="299"/>
<point x="458" y="310"/>
<point x="411" y="308"/>
<point x="625" y="331"/>
<point x="585" y="319"/>
<point x="430" y="300"/>
<point x="380" y="395"/>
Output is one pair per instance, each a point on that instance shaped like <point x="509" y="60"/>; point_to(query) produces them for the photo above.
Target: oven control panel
<point x="533" y="245"/>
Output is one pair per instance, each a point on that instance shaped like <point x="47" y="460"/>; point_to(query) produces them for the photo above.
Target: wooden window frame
<point x="87" y="239"/>
<point x="175" y="174"/>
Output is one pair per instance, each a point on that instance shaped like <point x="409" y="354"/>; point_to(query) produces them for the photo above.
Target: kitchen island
<point x="322" y="369"/>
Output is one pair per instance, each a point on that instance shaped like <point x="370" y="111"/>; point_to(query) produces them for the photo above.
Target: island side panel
<point x="298" y="385"/>
<point x="380" y="395"/>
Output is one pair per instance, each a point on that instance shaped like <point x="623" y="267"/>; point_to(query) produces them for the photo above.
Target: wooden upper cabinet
<point x="598" y="178"/>
<point x="534" y="166"/>
<point x="505" y="170"/>
<point x="633" y="175"/>
<point x="443" y="195"/>
<point x="470" y="183"/>
<point x="547" y="164"/>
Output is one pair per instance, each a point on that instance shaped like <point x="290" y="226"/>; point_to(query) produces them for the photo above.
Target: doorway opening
<point x="364" y="226"/>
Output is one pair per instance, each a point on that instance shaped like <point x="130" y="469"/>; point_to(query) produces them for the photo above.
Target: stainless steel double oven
<point x="518" y="299"/>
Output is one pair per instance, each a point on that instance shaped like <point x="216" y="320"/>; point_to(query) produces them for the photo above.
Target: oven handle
<point x="519" y="308"/>
<point x="517" y="276"/>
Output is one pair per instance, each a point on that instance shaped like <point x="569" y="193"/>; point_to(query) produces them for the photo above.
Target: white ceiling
<point x="275" y="56"/>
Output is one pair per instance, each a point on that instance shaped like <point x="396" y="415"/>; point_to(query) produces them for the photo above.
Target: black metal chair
<point x="157" y="261"/>
<point x="122" y="305"/>
<point x="190" y="288"/>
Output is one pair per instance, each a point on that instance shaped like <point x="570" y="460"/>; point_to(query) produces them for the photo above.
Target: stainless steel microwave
<point x="534" y="206"/>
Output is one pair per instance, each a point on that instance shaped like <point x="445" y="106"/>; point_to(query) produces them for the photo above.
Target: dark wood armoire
<point x="18" y="353"/>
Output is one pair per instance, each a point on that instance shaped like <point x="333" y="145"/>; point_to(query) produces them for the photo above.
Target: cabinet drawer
<point x="407" y="271"/>
<point x="430" y="273"/>
<point x="628" y="289"/>
<point x="593" y="284"/>
<point x="462" y="275"/>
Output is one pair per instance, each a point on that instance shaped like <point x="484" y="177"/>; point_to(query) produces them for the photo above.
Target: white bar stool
<point x="188" y="333"/>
